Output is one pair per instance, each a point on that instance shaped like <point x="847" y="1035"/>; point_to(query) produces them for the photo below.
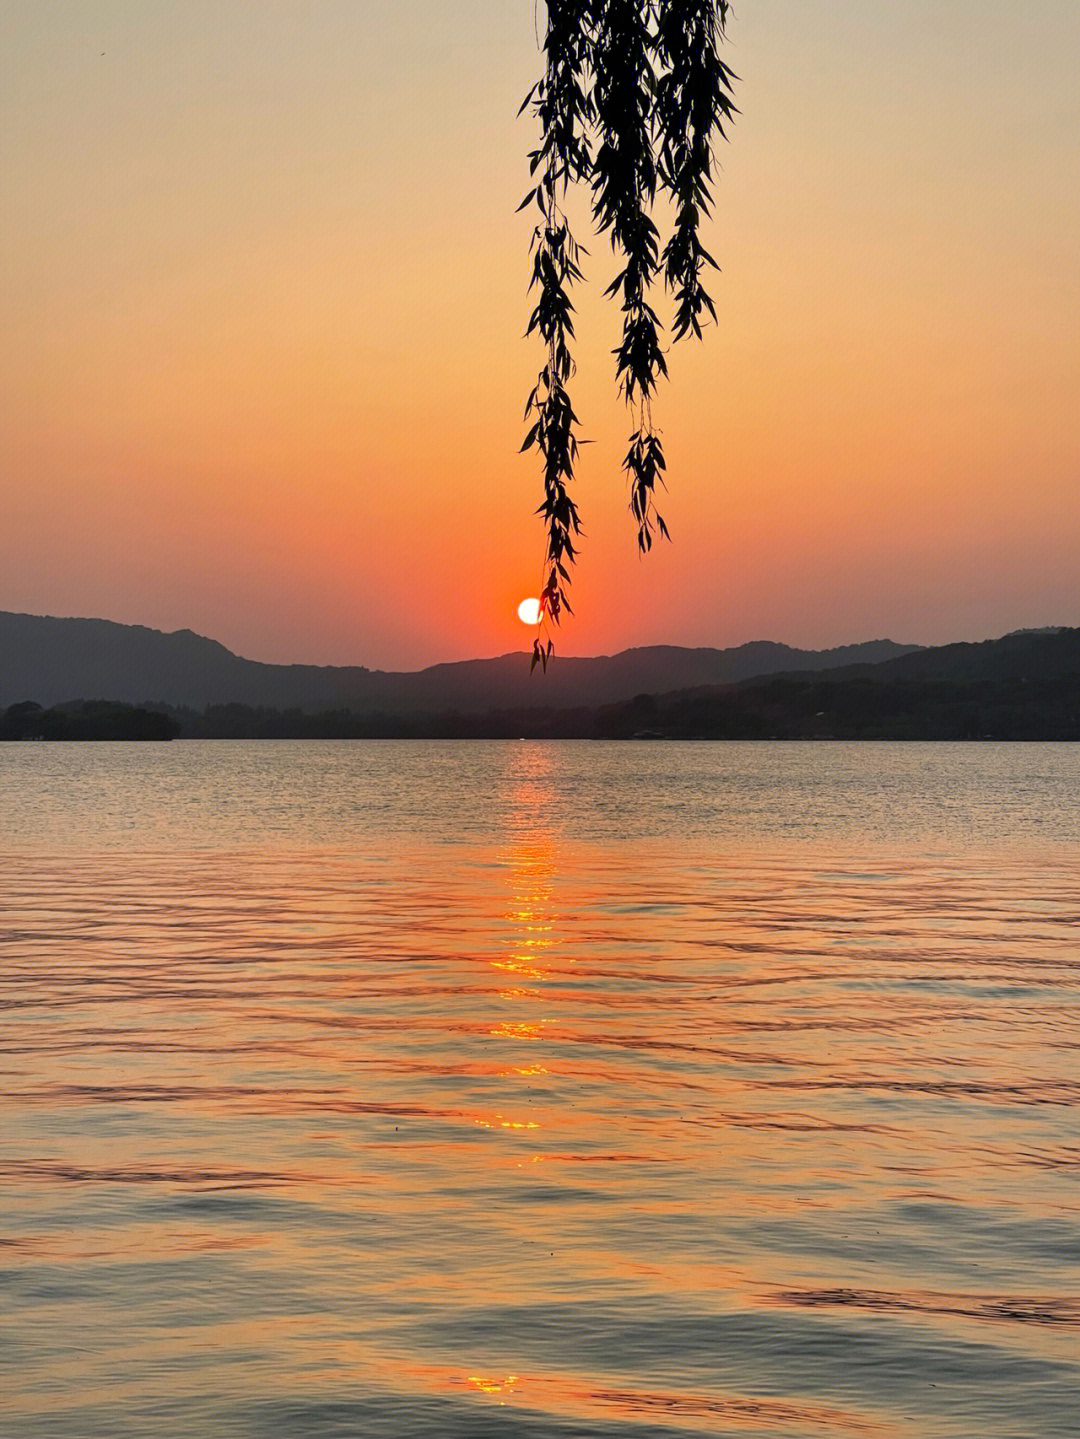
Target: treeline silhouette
<point x="86" y="720"/>
<point x="784" y="707"/>
<point x="861" y="708"/>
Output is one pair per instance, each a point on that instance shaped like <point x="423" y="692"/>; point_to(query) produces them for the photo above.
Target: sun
<point x="529" y="612"/>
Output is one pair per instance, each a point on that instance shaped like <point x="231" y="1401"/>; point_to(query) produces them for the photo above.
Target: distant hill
<point x="52" y="661"/>
<point x="1024" y="686"/>
<point x="1024" y="654"/>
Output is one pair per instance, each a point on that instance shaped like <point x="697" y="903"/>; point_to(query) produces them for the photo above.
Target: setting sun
<point x="529" y="611"/>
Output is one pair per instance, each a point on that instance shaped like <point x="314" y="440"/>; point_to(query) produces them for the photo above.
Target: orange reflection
<point x="488" y="1385"/>
<point x="498" y="1122"/>
<point x="530" y="918"/>
<point x="518" y="964"/>
<point x="519" y="1029"/>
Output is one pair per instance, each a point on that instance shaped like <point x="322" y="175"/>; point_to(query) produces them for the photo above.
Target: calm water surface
<point x="378" y="1089"/>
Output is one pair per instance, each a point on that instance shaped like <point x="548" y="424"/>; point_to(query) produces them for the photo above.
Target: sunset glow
<point x="265" y="360"/>
<point x="529" y="612"/>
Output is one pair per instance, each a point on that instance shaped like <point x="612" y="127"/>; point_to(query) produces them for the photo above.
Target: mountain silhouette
<point x="52" y="661"/>
<point x="1043" y="654"/>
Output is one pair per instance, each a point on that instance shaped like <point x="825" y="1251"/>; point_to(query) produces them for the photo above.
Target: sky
<point x="264" y="301"/>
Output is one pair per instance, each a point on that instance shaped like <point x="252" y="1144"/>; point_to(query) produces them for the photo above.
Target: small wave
<point x="1018" y="1309"/>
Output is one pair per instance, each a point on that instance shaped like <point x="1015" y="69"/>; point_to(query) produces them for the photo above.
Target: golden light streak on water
<point x="777" y="1136"/>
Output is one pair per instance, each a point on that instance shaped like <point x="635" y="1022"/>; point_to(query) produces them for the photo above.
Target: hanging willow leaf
<point x="633" y="97"/>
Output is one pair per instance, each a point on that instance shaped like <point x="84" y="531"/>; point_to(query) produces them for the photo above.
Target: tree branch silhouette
<point x="633" y="98"/>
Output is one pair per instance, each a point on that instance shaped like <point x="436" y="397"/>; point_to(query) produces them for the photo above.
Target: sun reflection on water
<point x="628" y="1135"/>
<point x="491" y="1385"/>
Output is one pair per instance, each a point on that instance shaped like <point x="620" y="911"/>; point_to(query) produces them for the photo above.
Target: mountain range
<point x="52" y="661"/>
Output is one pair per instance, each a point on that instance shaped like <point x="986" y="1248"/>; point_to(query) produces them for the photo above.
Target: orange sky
<point x="264" y="297"/>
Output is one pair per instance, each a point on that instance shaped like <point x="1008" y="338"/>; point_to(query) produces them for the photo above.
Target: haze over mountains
<point x="52" y="661"/>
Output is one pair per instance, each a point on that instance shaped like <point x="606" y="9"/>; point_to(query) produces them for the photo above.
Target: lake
<point x="496" y="1089"/>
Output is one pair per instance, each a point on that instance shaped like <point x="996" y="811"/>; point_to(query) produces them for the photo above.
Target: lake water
<point x="436" y="1089"/>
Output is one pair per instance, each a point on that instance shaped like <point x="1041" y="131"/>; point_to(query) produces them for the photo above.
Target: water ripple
<point x="540" y="1090"/>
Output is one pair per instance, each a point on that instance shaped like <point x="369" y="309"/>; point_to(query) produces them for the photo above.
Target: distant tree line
<point x="797" y="707"/>
<point x="85" y="720"/>
<point x="784" y="707"/>
<point x="788" y="707"/>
